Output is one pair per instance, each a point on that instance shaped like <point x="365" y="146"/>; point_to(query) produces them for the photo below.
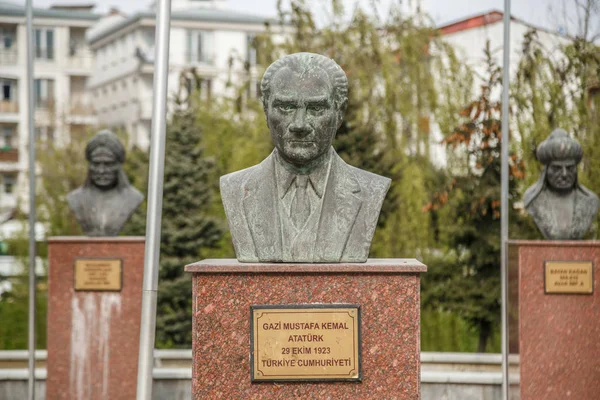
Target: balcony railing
<point x="203" y="58"/>
<point x="9" y="154"/>
<point x="82" y="109"/>
<point x="9" y="106"/>
<point x="8" y="56"/>
<point x="83" y="59"/>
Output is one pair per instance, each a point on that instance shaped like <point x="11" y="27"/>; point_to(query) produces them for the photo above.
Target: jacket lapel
<point x="341" y="204"/>
<point x="261" y="211"/>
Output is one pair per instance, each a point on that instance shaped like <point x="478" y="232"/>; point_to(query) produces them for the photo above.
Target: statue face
<point x="562" y="175"/>
<point x="104" y="168"/>
<point x="301" y="115"/>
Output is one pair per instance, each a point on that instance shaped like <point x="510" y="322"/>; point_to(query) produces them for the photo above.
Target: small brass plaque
<point x="305" y="343"/>
<point x="98" y="274"/>
<point x="569" y="277"/>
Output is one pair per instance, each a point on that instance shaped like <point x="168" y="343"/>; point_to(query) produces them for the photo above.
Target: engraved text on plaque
<point x="569" y="277"/>
<point x="98" y="274"/>
<point x="306" y="342"/>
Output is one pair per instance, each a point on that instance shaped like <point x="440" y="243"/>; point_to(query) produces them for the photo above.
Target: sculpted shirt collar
<point x="317" y="177"/>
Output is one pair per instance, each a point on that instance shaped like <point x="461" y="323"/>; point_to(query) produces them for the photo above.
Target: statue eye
<point x="285" y="107"/>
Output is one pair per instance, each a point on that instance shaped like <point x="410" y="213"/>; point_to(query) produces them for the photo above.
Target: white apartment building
<point x="204" y="35"/>
<point x="468" y="36"/>
<point x="62" y="66"/>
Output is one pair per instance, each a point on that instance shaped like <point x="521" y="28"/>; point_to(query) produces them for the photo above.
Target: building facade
<point x="468" y="36"/>
<point x="62" y="67"/>
<point x="214" y="42"/>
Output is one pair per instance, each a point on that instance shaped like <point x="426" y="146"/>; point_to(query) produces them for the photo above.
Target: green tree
<point x="552" y="90"/>
<point x="467" y="281"/>
<point x="398" y="70"/>
<point x="188" y="229"/>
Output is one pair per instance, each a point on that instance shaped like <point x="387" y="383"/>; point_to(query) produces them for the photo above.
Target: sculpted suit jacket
<point x="351" y="205"/>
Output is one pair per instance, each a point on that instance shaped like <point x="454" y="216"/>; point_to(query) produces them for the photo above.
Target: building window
<point x="9" y="183"/>
<point x="44" y="43"/>
<point x="251" y="52"/>
<point x="7" y="37"/>
<point x="199" y="47"/>
<point x="148" y="37"/>
<point x="7" y="135"/>
<point x="202" y="87"/>
<point x="253" y="90"/>
<point x="9" y="90"/>
<point x="44" y="93"/>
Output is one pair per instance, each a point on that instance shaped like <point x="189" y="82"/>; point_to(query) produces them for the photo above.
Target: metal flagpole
<point x="30" y="110"/>
<point x="504" y="198"/>
<point x="155" y="192"/>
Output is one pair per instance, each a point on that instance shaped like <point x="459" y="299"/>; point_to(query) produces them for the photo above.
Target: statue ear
<point x="341" y="112"/>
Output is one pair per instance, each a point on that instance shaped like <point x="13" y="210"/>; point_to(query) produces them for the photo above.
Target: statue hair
<point x="559" y="146"/>
<point x="110" y="141"/>
<point x="301" y="62"/>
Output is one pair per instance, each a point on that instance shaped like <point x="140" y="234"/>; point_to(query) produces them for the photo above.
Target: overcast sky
<point x="533" y="11"/>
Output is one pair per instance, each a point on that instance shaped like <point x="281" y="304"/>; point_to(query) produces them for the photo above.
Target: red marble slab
<point x="93" y="336"/>
<point x="559" y="334"/>
<point x="386" y="290"/>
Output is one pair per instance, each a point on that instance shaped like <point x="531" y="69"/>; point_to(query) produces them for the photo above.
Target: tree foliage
<point x="554" y="89"/>
<point x="470" y="285"/>
<point x="398" y="70"/>
<point x="188" y="229"/>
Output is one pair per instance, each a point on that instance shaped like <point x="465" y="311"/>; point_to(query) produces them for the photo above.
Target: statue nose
<point x="299" y="124"/>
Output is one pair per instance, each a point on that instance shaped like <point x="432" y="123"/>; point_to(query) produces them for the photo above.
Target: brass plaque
<point x="98" y="274"/>
<point x="569" y="277"/>
<point x="305" y="342"/>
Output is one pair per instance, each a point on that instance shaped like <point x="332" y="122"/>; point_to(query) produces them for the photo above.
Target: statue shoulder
<point x="233" y="182"/>
<point x="75" y="198"/>
<point x="531" y="193"/>
<point x="134" y="196"/>
<point x="591" y="198"/>
<point x="375" y="186"/>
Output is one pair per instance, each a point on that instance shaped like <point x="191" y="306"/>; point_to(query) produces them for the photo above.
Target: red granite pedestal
<point x="387" y="290"/>
<point x="93" y="336"/>
<point x="559" y="334"/>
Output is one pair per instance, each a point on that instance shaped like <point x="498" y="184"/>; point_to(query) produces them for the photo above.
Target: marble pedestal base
<point x="559" y="334"/>
<point x="387" y="291"/>
<point x="93" y="336"/>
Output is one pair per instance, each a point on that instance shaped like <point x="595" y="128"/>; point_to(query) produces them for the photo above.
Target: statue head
<point x="105" y="155"/>
<point x="304" y="97"/>
<point x="560" y="155"/>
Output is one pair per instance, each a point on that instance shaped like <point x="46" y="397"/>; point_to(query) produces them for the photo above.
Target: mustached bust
<point x="106" y="201"/>
<point x="561" y="207"/>
<point x="303" y="203"/>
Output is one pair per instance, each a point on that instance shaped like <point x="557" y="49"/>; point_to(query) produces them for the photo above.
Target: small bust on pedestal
<point x="303" y="203"/>
<point x="106" y="200"/>
<point x="561" y="207"/>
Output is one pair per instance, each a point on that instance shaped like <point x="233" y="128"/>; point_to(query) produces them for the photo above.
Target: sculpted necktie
<point x="300" y="209"/>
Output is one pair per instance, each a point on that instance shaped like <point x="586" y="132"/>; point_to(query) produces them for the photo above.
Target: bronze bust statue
<point x="106" y="200"/>
<point x="303" y="203"/>
<point x="561" y="207"/>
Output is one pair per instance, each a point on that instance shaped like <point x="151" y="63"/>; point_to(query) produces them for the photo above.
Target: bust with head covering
<point x="560" y="206"/>
<point x="106" y="200"/>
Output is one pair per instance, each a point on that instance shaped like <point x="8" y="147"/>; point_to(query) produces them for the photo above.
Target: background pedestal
<point x="559" y="334"/>
<point x="93" y="337"/>
<point x="386" y="289"/>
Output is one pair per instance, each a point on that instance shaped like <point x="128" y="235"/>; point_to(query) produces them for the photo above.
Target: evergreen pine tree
<point x="187" y="226"/>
